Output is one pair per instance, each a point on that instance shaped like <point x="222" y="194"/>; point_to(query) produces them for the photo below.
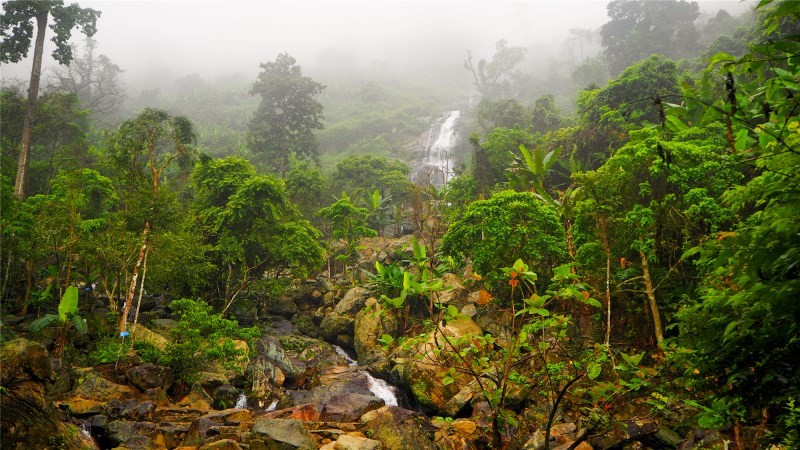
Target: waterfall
<point x="437" y="164"/>
<point x="241" y="401"/>
<point x="380" y="388"/>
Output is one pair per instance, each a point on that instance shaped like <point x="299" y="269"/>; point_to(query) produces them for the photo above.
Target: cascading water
<point x="241" y="401"/>
<point x="380" y="388"/>
<point x="437" y="165"/>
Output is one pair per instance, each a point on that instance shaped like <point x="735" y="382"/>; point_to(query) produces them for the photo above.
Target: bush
<point x="201" y="338"/>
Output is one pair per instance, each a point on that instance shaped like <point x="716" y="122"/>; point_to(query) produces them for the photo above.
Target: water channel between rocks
<point x="380" y="388"/>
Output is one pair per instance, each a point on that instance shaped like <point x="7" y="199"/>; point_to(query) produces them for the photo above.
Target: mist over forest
<point x="400" y="224"/>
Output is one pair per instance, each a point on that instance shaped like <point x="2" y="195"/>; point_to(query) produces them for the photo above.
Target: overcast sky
<point x="170" y="39"/>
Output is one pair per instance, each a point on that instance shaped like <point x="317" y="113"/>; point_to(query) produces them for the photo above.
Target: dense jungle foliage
<point x="643" y="252"/>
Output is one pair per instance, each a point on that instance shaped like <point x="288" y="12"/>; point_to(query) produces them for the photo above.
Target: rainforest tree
<point x="287" y="116"/>
<point x="16" y="28"/>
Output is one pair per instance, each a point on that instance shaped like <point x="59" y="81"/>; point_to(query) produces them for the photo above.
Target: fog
<point x="158" y="42"/>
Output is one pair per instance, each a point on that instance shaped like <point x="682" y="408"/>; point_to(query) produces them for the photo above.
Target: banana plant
<point x="67" y="312"/>
<point x="538" y="164"/>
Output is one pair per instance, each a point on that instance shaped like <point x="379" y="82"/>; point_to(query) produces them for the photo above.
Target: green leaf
<point x="741" y="139"/>
<point x="43" y="322"/>
<point x="452" y="311"/>
<point x="675" y="124"/>
<point x="710" y="421"/>
<point x="632" y="360"/>
<point x="594" y="370"/>
<point x="593" y="302"/>
<point x="68" y="304"/>
<point x="730" y="329"/>
<point x="80" y="324"/>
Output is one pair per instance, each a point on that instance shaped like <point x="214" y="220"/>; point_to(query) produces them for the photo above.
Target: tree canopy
<point x="287" y="115"/>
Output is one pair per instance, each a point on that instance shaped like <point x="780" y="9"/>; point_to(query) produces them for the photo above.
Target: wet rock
<point x="348" y="442"/>
<point x="92" y="392"/>
<point x="147" y="376"/>
<point x="423" y="375"/>
<point x="272" y="349"/>
<point x="398" y="429"/>
<point x="222" y="444"/>
<point x="353" y="301"/>
<point x="308" y="412"/>
<point x="455" y="289"/>
<point x="305" y="325"/>
<point x="25" y="360"/>
<point x="334" y="325"/>
<point x="129" y="434"/>
<point x="130" y="409"/>
<point x="372" y="322"/>
<point x="225" y="397"/>
<point x="283" y="306"/>
<point x="144" y="335"/>
<point x="349" y="407"/>
<point x="27" y="420"/>
<point x="280" y="434"/>
<point x="201" y="429"/>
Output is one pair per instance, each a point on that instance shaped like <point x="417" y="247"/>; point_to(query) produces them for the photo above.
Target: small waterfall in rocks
<point x="438" y="162"/>
<point x="380" y="388"/>
<point x="241" y="401"/>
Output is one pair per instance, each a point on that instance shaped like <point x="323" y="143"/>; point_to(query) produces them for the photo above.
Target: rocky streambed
<point x="300" y="390"/>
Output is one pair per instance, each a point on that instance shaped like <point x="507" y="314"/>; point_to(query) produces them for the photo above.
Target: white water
<point x="241" y="402"/>
<point x="380" y="388"/>
<point x="437" y="165"/>
<point x="272" y="406"/>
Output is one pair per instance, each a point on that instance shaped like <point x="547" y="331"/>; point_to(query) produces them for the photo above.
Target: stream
<point x="380" y="388"/>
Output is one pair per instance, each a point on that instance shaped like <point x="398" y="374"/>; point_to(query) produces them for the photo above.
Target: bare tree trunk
<point x="607" y="249"/>
<point x="651" y="296"/>
<point x="139" y="301"/>
<point x="123" y="320"/>
<point x="33" y="95"/>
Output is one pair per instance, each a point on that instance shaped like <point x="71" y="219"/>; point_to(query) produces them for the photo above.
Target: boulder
<point x="144" y="335"/>
<point x="423" y="375"/>
<point x="280" y="434"/>
<point x="353" y="301"/>
<point x="283" y="306"/>
<point x="222" y="444"/>
<point x="129" y="434"/>
<point x="348" y="442"/>
<point x="272" y="349"/>
<point x="334" y="325"/>
<point x="455" y="289"/>
<point x="148" y="376"/>
<point x="372" y="322"/>
<point x="225" y="397"/>
<point x="25" y="360"/>
<point x="92" y="392"/>
<point x="348" y="407"/>
<point x="398" y="429"/>
<point x="27" y="420"/>
<point x="130" y="409"/>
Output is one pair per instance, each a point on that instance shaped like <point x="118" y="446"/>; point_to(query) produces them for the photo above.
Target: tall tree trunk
<point x="123" y="320"/>
<point x="33" y="95"/>
<point x="607" y="249"/>
<point x="651" y="296"/>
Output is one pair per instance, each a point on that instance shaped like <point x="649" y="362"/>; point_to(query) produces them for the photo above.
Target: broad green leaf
<point x="741" y="139"/>
<point x="593" y="302"/>
<point x="80" y="324"/>
<point x="452" y="311"/>
<point x="68" y="304"/>
<point x="632" y="360"/>
<point x="594" y="370"/>
<point x="43" y="322"/>
<point x="730" y="328"/>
